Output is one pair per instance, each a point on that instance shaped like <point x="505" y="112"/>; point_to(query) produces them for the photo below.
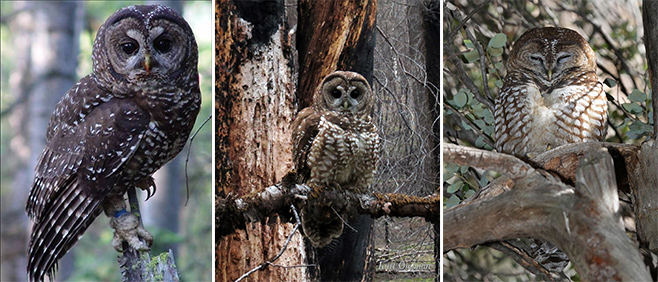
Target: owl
<point x="551" y="95"/>
<point x="335" y="145"/>
<point x="112" y="130"/>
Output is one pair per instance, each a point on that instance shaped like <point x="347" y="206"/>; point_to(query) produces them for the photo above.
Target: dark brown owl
<point x="113" y="130"/>
<point x="336" y="145"/>
<point x="551" y="95"/>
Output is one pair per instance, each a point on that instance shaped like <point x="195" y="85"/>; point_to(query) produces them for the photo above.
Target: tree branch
<point x="582" y="221"/>
<point x="508" y="164"/>
<point x="233" y="213"/>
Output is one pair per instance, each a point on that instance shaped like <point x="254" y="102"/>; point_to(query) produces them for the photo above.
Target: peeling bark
<point x="254" y="110"/>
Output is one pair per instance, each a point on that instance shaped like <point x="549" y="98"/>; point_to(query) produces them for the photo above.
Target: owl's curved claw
<point x="147" y="185"/>
<point x="127" y="229"/>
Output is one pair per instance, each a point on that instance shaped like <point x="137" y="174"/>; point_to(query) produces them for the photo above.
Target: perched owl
<point x="112" y="131"/>
<point x="335" y="145"/>
<point x="551" y="95"/>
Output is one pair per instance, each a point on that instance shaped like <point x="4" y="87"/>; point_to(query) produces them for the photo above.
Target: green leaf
<point x="610" y="82"/>
<point x="454" y="187"/>
<point x="479" y="143"/>
<point x="480" y="123"/>
<point x="452" y="201"/>
<point x="468" y="43"/>
<point x="632" y="108"/>
<point x="451" y="168"/>
<point x="466" y="126"/>
<point x="484" y="181"/>
<point x="488" y="130"/>
<point x="498" y="65"/>
<point x="463" y="169"/>
<point x="488" y="116"/>
<point x="460" y="99"/>
<point x="478" y="110"/>
<point x="638" y="129"/>
<point x="498" y="41"/>
<point x="472" y="56"/>
<point x="499" y="83"/>
<point x="495" y="52"/>
<point x="469" y="193"/>
<point x="637" y="96"/>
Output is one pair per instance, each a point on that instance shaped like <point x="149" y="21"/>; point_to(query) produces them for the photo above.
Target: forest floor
<point x="404" y="250"/>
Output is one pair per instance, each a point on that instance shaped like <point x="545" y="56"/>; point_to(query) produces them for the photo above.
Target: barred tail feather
<point x="71" y="214"/>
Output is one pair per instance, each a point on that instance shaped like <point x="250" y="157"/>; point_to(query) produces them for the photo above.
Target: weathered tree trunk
<point x="432" y="66"/>
<point x="254" y="110"/>
<point x="46" y="44"/>
<point x="337" y="35"/>
<point x="645" y="179"/>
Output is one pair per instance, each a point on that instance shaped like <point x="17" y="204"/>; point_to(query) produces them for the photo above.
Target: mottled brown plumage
<point x="551" y="95"/>
<point x="335" y="145"/>
<point x="113" y="130"/>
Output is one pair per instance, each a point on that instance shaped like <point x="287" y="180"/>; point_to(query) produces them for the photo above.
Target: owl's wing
<point x="75" y="174"/>
<point x="305" y="129"/>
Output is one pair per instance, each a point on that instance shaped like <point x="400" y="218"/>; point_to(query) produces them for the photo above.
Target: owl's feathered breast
<point x="344" y="150"/>
<point x="533" y="117"/>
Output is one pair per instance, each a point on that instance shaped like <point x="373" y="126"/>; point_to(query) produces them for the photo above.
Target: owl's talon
<point x="127" y="229"/>
<point x="147" y="185"/>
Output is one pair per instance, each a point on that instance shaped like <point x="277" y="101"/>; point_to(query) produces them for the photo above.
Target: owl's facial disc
<point x="553" y="60"/>
<point x="344" y="98"/>
<point x="133" y="58"/>
<point x="142" y="54"/>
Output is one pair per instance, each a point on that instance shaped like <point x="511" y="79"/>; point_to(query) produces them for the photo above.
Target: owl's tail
<point x="58" y="227"/>
<point x="321" y="224"/>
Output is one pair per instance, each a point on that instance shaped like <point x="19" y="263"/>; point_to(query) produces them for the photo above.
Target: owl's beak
<point x="550" y="74"/>
<point x="147" y="63"/>
<point x="346" y="105"/>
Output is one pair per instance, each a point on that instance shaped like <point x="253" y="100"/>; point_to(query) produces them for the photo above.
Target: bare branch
<point x="581" y="221"/>
<point x="233" y="213"/>
<point x="483" y="159"/>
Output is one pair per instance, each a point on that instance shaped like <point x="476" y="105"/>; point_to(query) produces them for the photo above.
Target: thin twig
<point x="187" y="159"/>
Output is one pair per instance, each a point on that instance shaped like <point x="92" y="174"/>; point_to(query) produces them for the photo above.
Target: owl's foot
<point x="127" y="229"/>
<point x="148" y="185"/>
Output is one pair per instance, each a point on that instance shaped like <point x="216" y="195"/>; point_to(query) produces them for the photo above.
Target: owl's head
<point x="549" y="53"/>
<point x="344" y="92"/>
<point x="144" y="44"/>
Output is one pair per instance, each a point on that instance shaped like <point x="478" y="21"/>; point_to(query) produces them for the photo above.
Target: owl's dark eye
<point x="536" y="58"/>
<point x="563" y="58"/>
<point x="336" y="93"/>
<point x="129" y="47"/>
<point x="163" y="45"/>
<point x="355" y="94"/>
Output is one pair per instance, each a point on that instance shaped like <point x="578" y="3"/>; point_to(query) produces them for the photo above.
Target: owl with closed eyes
<point x="112" y="130"/>
<point x="551" y="95"/>
<point x="335" y="145"/>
